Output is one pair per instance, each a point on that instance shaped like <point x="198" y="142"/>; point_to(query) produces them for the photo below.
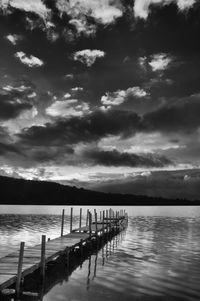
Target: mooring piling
<point x="103" y="221"/>
<point x="62" y="222"/>
<point x="90" y="224"/>
<point x="43" y="257"/>
<point x="96" y="228"/>
<point x="19" y="270"/>
<point x="80" y="219"/>
<point x="71" y="219"/>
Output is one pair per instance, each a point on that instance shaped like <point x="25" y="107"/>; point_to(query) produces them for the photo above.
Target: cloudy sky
<point x="102" y="94"/>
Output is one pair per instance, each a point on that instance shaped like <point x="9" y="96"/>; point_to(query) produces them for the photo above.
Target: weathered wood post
<point x="107" y="222"/>
<point x="90" y="224"/>
<point x="19" y="269"/>
<point x="110" y="219"/>
<point x="103" y="221"/>
<point x="71" y="219"/>
<point x="116" y="221"/>
<point x="43" y="255"/>
<point x="96" y="228"/>
<point x="80" y="220"/>
<point x="62" y="222"/>
<point x="95" y="211"/>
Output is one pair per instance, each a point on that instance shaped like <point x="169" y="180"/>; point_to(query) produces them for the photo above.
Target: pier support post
<point x="43" y="255"/>
<point x="110" y="220"/>
<point x="62" y="222"/>
<point x="90" y="224"/>
<point x="80" y="220"/>
<point x="19" y="270"/>
<point x="71" y="219"/>
<point x="103" y="221"/>
<point x="96" y="228"/>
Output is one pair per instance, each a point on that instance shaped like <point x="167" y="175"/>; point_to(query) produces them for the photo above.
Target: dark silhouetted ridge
<point x="29" y="192"/>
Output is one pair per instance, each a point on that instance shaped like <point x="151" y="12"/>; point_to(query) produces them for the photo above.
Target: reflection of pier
<point x="68" y="251"/>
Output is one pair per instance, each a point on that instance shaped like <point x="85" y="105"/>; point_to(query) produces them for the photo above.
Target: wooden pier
<point x="16" y="266"/>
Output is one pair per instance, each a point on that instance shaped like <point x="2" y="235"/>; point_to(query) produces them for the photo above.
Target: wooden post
<point x="100" y="215"/>
<point x="62" y="222"/>
<point x="71" y="219"/>
<point x="96" y="229"/>
<point x="90" y="224"/>
<point x="43" y="255"/>
<point x="103" y="221"/>
<point x="110" y="219"/>
<point x="80" y="220"/>
<point x="116" y="221"/>
<point x="107" y="221"/>
<point x="87" y="218"/>
<point x="19" y="270"/>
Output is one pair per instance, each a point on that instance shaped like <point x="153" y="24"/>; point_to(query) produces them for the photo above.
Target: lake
<point x="156" y="258"/>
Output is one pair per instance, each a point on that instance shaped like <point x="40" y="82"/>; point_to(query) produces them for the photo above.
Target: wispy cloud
<point x="68" y="108"/>
<point x="103" y="11"/>
<point x="34" y="6"/>
<point x="88" y="56"/>
<point x="118" y="97"/>
<point x="14" y="38"/>
<point x="160" y="62"/>
<point x="31" y="61"/>
<point x="142" y="7"/>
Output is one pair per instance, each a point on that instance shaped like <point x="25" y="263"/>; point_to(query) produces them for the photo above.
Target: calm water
<point x="157" y="258"/>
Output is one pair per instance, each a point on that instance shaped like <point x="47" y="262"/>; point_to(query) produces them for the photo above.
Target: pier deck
<point x="9" y="265"/>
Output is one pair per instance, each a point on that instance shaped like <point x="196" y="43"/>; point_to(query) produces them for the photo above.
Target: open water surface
<point x="156" y="258"/>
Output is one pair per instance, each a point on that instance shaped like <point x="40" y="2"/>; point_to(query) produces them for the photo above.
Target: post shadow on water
<point x="59" y="270"/>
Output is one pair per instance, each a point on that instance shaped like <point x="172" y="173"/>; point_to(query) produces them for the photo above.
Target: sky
<point x="102" y="94"/>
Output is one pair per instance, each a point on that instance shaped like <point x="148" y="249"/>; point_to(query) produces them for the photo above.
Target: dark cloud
<point x="6" y="143"/>
<point x="11" y="106"/>
<point x="52" y="154"/>
<point x="88" y="128"/>
<point x="5" y="148"/>
<point x="115" y="158"/>
<point x="181" y="184"/>
<point x="182" y="115"/>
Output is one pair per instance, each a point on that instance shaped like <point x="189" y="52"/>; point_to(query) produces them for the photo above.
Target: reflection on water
<point x="157" y="258"/>
<point x="15" y="228"/>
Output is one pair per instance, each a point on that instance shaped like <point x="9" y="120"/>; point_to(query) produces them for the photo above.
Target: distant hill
<point x="26" y="192"/>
